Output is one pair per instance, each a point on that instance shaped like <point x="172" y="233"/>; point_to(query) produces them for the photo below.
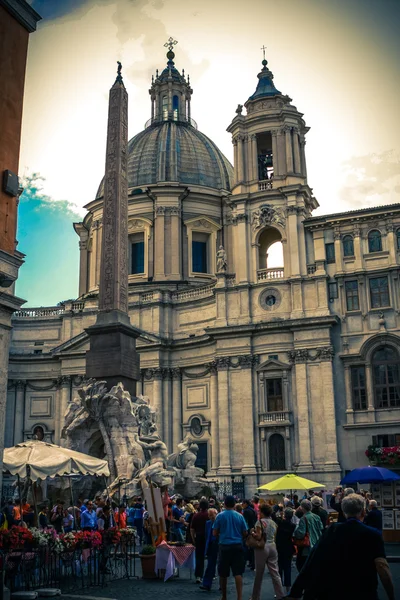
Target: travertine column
<point x="289" y="153"/>
<point x="254" y="157"/>
<point x="166" y="409"/>
<point x="223" y="413"/>
<point x="331" y="453"/>
<point x="240" y="165"/>
<point x="242" y="249"/>
<point x="175" y="243"/>
<point x="338" y="250"/>
<point x="157" y="398"/>
<point x="275" y="162"/>
<point x="159" y="234"/>
<point x="357" y="247"/>
<point x="391" y="243"/>
<point x="214" y="418"/>
<point x="65" y="392"/>
<point x="303" y="156"/>
<point x="83" y="267"/>
<point x="349" y="395"/>
<point x="370" y="392"/>
<point x="246" y="387"/>
<point x="303" y="422"/>
<point x="235" y="160"/>
<point x="294" y="241"/>
<point x="296" y="151"/>
<point x="20" y="387"/>
<point x="176" y="408"/>
<point x="280" y="142"/>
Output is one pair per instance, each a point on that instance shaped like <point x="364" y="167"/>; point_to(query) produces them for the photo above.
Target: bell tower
<point x="269" y="140"/>
<point x="270" y="195"/>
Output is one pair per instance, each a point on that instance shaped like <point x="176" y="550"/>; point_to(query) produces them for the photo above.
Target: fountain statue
<point x="124" y="429"/>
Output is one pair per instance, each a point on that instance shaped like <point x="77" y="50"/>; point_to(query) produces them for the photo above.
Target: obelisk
<point x="112" y="355"/>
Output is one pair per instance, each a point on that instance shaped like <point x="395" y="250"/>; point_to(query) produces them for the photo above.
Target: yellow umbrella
<point x="291" y="481"/>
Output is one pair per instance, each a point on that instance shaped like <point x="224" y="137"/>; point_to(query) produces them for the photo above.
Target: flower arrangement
<point x="388" y="455"/>
<point x="19" y="536"/>
<point x="68" y="541"/>
<point x="112" y="535"/>
<point x="88" y="539"/>
<point x="43" y="537"/>
<point x="127" y="534"/>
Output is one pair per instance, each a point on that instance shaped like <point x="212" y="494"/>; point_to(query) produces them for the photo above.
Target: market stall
<point x="385" y="489"/>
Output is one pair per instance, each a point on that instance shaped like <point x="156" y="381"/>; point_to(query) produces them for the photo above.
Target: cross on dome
<point x="263" y="49"/>
<point x="170" y="43"/>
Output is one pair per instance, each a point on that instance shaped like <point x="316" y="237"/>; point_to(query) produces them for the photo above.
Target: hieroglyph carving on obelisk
<point x="113" y="293"/>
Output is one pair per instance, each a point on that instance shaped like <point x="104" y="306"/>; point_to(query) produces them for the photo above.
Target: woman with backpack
<point x="267" y="555"/>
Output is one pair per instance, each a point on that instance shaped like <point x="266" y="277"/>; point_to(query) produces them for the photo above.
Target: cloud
<point x="46" y="236"/>
<point x="373" y="179"/>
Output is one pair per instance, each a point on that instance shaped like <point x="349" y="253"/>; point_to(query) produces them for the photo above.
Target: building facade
<point x="17" y="20"/>
<point x="269" y="335"/>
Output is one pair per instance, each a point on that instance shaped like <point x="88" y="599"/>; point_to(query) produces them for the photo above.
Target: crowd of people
<point x="333" y="559"/>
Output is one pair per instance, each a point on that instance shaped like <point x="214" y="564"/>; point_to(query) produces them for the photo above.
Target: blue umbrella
<point x="369" y="475"/>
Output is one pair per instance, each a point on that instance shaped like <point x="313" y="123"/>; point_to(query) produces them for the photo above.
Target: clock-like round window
<point x="196" y="427"/>
<point x="270" y="299"/>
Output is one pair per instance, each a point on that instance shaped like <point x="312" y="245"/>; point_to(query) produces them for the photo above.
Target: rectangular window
<point x="359" y="392"/>
<point x="333" y="290"/>
<point x="330" y="253"/>
<point x="274" y="395"/>
<point x="352" y="299"/>
<point x="386" y="439"/>
<point x="379" y="290"/>
<point x="137" y="253"/>
<point x="200" y="252"/>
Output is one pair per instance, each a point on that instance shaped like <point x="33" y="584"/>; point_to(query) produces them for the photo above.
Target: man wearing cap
<point x="230" y="528"/>
<point x="317" y="509"/>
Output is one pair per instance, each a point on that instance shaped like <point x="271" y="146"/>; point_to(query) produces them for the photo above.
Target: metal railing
<point x="69" y="570"/>
<point x="265" y="274"/>
<point x="159" y="120"/>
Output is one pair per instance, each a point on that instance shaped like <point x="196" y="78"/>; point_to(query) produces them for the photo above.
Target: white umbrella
<point x="48" y="460"/>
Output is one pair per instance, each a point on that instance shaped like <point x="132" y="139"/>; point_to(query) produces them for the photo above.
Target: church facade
<point x="267" y="334"/>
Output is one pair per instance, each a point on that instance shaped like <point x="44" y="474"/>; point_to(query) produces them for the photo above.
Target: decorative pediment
<point x="138" y="224"/>
<point x="272" y="364"/>
<point x="203" y="223"/>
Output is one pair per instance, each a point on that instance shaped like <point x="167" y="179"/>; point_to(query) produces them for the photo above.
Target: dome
<point x="175" y="151"/>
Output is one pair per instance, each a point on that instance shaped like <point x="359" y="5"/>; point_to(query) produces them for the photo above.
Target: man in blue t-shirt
<point x="178" y="521"/>
<point x="230" y="528"/>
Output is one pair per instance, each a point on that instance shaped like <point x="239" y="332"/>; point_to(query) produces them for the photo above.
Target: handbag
<point x="254" y="543"/>
<point x="305" y="541"/>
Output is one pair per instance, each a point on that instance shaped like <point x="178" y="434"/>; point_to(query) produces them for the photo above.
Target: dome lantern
<point x="170" y="93"/>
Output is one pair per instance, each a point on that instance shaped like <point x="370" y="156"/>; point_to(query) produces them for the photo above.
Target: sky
<point x="337" y="59"/>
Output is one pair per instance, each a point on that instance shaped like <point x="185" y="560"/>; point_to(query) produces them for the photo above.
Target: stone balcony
<point x="265" y="184"/>
<point x="267" y="274"/>
<point x="275" y="418"/>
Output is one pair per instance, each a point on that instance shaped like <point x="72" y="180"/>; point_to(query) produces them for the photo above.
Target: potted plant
<point x="148" y="561"/>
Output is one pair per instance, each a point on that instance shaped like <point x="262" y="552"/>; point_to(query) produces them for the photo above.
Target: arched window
<point x="270" y="251"/>
<point x="374" y="241"/>
<point x="175" y="107"/>
<point x="276" y="453"/>
<point x="165" y="108"/>
<point x="348" y="245"/>
<point x="398" y="239"/>
<point x="385" y="365"/>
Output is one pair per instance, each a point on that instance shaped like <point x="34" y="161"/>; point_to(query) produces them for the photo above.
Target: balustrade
<point x="263" y="274"/>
